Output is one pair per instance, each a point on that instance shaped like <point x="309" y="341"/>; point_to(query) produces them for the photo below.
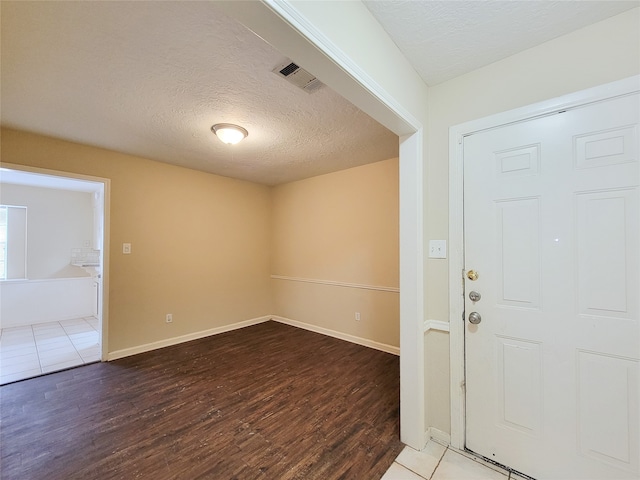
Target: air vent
<point x="289" y="69"/>
<point x="298" y="76"/>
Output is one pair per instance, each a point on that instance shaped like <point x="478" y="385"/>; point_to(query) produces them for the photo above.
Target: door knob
<point x="475" y="318"/>
<point x="472" y="275"/>
<point x="474" y="296"/>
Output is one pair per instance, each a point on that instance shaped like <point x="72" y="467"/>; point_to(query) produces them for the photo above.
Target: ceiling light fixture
<point x="229" y="133"/>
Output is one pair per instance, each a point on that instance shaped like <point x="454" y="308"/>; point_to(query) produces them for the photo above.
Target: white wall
<point x="28" y="302"/>
<point x="57" y="221"/>
<point x="597" y="54"/>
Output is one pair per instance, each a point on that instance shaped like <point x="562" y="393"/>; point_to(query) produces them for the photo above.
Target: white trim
<point x="607" y="91"/>
<point x="25" y="246"/>
<point x="412" y="367"/>
<point x="439" y="325"/>
<point x="44" y="280"/>
<point x="336" y="284"/>
<point x="456" y="289"/>
<point x="147" y="347"/>
<point x="291" y="15"/>
<point x="456" y="221"/>
<point x="437" y="435"/>
<point x="54" y="173"/>
<point x="342" y="336"/>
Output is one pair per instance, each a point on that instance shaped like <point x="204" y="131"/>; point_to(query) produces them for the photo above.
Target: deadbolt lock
<point x="474" y="296"/>
<point x="472" y="275"/>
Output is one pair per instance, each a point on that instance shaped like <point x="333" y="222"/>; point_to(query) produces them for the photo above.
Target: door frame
<point x="106" y="201"/>
<point x="456" y="223"/>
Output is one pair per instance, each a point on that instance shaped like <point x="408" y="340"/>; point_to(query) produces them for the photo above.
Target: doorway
<point x="548" y="350"/>
<point x="52" y="310"/>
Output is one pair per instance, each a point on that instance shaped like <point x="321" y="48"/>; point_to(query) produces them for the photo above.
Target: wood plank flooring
<point x="264" y="402"/>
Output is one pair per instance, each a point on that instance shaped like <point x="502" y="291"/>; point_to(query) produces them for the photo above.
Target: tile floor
<point x="437" y="462"/>
<point x="47" y="347"/>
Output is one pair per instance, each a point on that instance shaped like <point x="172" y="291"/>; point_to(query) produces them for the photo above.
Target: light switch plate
<point x="126" y="248"/>
<point x="437" y="249"/>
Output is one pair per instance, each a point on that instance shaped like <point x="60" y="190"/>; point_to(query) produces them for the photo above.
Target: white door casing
<point x="551" y="226"/>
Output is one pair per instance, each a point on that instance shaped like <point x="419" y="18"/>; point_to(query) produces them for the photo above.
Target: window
<point x="3" y="242"/>
<point x="13" y="242"/>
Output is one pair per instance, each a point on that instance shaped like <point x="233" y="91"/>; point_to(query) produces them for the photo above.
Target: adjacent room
<point x="287" y="302"/>
<point x="50" y="313"/>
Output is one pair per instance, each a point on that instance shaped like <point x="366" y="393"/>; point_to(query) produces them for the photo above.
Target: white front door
<point x="551" y="220"/>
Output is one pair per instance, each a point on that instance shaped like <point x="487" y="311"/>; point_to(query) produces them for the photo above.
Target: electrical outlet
<point x="357" y="316"/>
<point x="169" y="318"/>
<point x="126" y="248"/>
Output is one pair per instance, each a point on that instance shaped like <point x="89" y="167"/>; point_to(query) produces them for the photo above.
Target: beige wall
<point x="341" y="227"/>
<point x="601" y="53"/>
<point x="369" y="70"/>
<point x="200" y="242"/>
<point x="591" y="56"/>
<point x="204" y="246"/>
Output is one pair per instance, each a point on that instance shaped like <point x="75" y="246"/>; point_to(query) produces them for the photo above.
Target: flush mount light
<point x="229" y="133"/>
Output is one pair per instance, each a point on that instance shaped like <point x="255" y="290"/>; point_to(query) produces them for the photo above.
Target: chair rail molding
<point x="337" y="284"/>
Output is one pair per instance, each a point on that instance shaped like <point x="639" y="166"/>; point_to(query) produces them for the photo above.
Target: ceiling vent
<point x="297" y="76"/>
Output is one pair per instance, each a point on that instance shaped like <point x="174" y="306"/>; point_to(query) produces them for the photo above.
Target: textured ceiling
<point x="150" y="78"/>
<point x="447" y="38"/>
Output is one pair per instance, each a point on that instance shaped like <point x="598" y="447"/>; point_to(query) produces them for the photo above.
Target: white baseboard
<point x="438" y="436"/>
<point x="147" y="347"/>
<point x="342" y="336"/>
<point x="126" y="352"/>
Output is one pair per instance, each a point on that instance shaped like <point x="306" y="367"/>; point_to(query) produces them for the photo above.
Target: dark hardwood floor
<point x="265" y="402"/>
